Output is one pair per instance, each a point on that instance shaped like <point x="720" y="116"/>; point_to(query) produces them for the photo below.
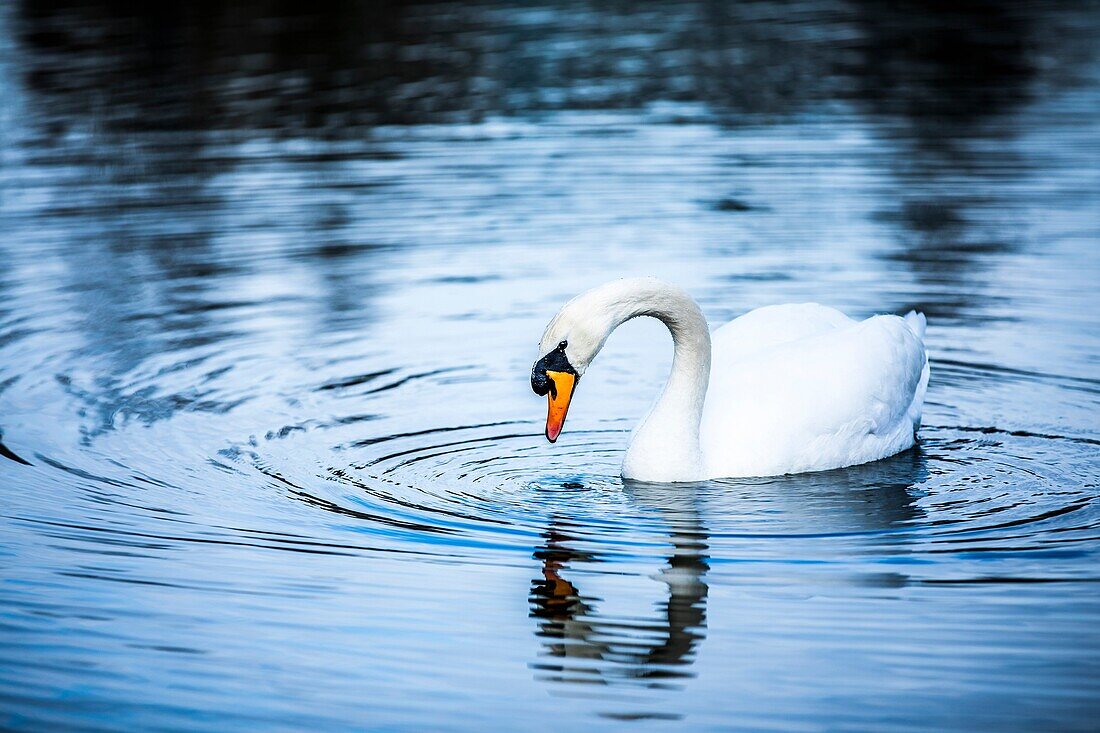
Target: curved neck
<point x="668" y="436"/>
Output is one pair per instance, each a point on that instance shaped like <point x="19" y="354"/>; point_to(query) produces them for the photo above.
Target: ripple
<point x="497" y="487"/>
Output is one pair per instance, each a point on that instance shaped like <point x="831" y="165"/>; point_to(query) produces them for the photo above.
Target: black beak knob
<point x="555" y="361"/>
<point x="539" y="381"/>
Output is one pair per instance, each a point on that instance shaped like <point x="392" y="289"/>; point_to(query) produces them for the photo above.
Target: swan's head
<point x="568" y="346"/>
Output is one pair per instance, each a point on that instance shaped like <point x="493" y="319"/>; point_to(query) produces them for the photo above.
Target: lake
<point x="272" y="282"/>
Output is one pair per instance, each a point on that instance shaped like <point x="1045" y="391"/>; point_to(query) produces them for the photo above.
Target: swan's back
<point x="798" y="388"/>
<point x="764" y="328"/>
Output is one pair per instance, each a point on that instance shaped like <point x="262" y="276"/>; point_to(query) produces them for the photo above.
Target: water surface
<point x="272" y="283"/>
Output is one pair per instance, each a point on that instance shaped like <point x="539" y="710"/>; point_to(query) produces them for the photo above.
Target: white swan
<point x="781" y="389"/>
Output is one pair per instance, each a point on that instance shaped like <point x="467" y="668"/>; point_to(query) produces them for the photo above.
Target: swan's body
<point x="781" y="389"/>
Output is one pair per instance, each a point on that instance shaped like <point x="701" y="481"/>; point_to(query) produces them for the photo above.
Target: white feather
<point x="791" y="388"/>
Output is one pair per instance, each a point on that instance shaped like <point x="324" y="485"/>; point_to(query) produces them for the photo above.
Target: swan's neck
<point x="665" y="445"/>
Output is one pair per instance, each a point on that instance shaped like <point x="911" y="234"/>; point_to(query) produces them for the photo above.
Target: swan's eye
<point x="563" y="344"/>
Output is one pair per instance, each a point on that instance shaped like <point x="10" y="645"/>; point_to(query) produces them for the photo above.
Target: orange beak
<point x="562" y="385"/>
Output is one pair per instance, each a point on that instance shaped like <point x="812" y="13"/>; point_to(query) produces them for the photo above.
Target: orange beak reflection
<point x="562" y="385"/>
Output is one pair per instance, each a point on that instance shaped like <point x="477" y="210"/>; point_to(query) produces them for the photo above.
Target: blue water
<point x="271" y="284"/>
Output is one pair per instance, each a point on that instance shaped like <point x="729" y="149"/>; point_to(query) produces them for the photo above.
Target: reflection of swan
<point x="788" y="388"/>
<point x="588" y="647"/>
<point x="582" y="643"/>
<point x="860" y="500"/>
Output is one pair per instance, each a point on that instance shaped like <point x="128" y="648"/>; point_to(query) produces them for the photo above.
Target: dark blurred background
<point x="296" y="66"/>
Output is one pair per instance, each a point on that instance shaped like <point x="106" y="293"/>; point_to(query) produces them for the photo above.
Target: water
<point x="272" y="285"/>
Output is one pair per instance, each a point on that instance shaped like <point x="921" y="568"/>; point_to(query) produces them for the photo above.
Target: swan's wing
<point x="838" y="398"/>
<point x="772" y="325"/>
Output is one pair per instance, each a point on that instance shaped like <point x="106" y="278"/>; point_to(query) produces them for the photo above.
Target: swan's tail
<point x="917" y="322"/>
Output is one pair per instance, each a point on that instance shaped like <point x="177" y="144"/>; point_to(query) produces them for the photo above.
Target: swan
<point x="781" y="389"/>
